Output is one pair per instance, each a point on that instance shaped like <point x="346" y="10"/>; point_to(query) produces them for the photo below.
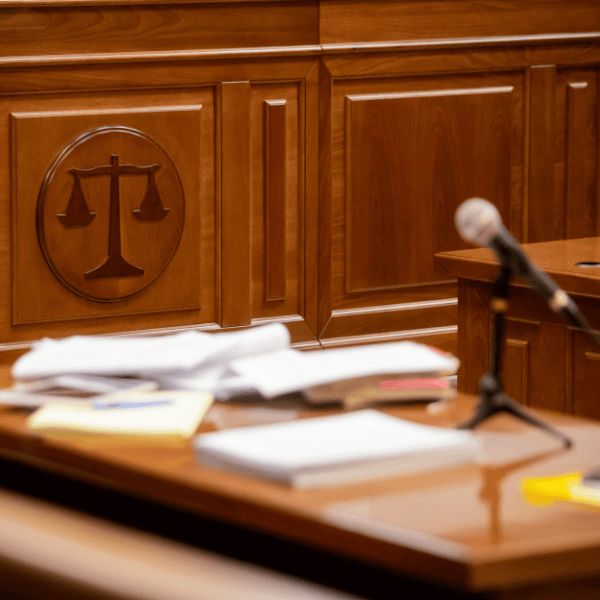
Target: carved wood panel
<point x="405" y="153"/>
<point x="534" y="364"/>
<point x="125" y="223"/>
<point x="400" y="201"/>
<point x="108" y="231"/>
<point x="564" y="110"/>
<point x="277" y="200"/>
<point x="586" y="377"/>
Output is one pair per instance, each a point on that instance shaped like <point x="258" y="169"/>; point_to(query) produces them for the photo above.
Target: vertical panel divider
<point x="311" y="298"/>
<point x="235" y="204"/>
<point x="575" y="182"/>
<point x="324" y="210"/>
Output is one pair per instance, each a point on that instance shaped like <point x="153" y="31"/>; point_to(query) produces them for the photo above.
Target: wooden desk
<point x="465" y="531"/>
<point x="547" y="364"/>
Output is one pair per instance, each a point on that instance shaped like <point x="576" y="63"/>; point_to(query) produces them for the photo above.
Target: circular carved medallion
<point x="110" y="213"/>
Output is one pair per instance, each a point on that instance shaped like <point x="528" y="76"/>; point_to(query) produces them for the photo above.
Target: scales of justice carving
<point x="77" y="213"/>
<point x="108" y="242"/>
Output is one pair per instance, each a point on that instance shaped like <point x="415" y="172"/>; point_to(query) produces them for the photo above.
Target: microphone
<point x="479" y="222"/>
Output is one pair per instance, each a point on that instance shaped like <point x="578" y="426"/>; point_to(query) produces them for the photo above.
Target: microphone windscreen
<point x="477" y="221"/>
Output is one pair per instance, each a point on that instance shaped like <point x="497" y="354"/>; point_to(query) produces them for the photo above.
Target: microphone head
<point x="477" y="221"/>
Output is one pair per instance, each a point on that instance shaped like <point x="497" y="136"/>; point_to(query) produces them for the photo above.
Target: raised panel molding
<point x="575" y="180"/>
<point x="517" y="361"/>
<point x="235" y="204"/>
<point x="542" y="201"/>
<point x="275" y="200"/>
<point x="400" y="204"/>
<point x="61" y="165"/>
<point x="585" y="377"/>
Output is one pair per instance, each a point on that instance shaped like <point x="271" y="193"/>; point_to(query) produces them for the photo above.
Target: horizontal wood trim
<point x="65" y="3"/>
<point x="144" y="57"/>
<point x="441" y="337"/>
<point x="357" y="322"/>
<point x="459" y="43"/>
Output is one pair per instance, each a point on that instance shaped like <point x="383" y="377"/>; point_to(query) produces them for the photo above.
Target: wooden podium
<point x="547" y="363"/>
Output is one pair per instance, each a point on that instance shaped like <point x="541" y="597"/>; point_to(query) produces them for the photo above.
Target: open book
<point x="324" y="451"/>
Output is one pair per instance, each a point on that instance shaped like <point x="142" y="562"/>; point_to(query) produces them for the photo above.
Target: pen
<point x="141" y="404"/>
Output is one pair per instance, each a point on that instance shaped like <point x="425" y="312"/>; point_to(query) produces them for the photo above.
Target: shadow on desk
<point x="93" y="544"/>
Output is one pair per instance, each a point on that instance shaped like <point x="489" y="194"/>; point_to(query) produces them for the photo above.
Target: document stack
<point x="340" y="449"/>
<point x="256" y="361"/>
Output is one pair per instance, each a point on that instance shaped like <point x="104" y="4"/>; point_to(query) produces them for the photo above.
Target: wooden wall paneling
<point x="65" y="29"/>
<point x="516" y="362"/>
<point x="277" y="200"/>
<point x="541" y="163"/>
<point x="393" y="196"/>
<point x="172" y="128"/>
<point x="533" y="375"/>
<point x="344" y="22"/>
<point x="577" y="148"/>
<point x="311" y="200"/>
<point x="586" y="376"/>
<point x="473" y="334"/>
<point x="399" y="318"/>
<point x="392" y="206"/>
<point x="325" y="194"/>
<point x="235" y="204"/>
<point x="577" y="217"/>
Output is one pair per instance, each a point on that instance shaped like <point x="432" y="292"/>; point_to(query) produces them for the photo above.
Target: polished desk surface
<point x="466" y="527"/>
<point x="558" y="258"/>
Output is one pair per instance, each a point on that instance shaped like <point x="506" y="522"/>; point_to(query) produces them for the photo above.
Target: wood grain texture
<point x="38" y="295"/>
<point x="516" y="362"/>
<point x="586" y="377"/>
<point x="535" y="363"/>
<point x="344" y="21"/>
<point x="575" y="180"/>
<point x="392" y="207"/>
<point x="577" y="148"/>
<point x="541" y="168"/>
<point x="478" y="543"/>
<point x="325" y="195"/>
<point x="400" y="62"/>
<point x="559" y="371"/>
<point x="394" y="196"/>
<point x="275" y="200"/>
<point x="235" y="204"/>
<point x="312" y="203"/>
<point x="101" y="28"/>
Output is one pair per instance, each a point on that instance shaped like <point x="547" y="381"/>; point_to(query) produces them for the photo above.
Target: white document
<point x="178" y="354"/>
<point x="290" y="370"/>
<point x="338" y="449"/>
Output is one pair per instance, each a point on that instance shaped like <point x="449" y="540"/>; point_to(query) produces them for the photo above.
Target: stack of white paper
<point x="86" y="366"/>
<point x="256" y="360"/>
<point x="331" y="374"/>
<point x="345" y="448"/>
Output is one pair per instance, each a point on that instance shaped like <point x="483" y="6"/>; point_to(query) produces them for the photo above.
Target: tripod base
<point x="493" y="401"/>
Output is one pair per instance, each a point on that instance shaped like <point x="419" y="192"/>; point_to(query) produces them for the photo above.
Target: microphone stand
<point x="492" y="399"/>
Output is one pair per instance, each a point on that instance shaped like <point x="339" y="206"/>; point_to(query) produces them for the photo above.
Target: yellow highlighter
<point x="572" y="487"/>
